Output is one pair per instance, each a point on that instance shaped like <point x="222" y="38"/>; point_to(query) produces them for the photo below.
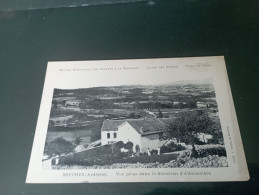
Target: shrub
<point x="137" y="148"/>
<point x="59" y="146"/>
<point x="172" y="147"/>
<point x="95" y="127"/>
<point x="119" y="155"/>
<point x="220" y="151"/>
<point x="128" y="146"/>
<point x="78" y="140"/>
<point x="153" y="152"/>
<point x="198" y="142"/>
<point x="51" y="126"/>
<point x="119" y="145"/>
<point x="216" y="139"/>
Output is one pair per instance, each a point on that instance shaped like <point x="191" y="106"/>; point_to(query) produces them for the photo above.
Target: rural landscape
<point x="174" y="125"/>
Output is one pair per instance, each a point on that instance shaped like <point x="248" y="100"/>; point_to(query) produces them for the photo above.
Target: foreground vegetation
<point x="183" y="160"/>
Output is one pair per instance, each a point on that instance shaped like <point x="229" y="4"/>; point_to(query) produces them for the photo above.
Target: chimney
<point x="141" y="130"/>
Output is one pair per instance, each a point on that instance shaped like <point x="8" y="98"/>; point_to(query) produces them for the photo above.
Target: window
<point x="115" y="135"/>
<point x="108" y="135"/>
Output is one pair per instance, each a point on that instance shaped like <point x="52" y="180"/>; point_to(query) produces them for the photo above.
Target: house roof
<point x="147" y="126"/>
<point x="111" y="125"/>
<point x="142" y="126"/>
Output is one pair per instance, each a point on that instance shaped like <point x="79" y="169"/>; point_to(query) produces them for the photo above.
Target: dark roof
<point x="147" y="126"/>
<point x="111" y="125"/>
<point x="142" y="126"/>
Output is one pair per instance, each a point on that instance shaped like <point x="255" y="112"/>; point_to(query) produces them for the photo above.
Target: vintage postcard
<point x="143" y="120"/>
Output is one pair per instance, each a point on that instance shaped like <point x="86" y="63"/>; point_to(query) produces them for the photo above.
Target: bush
<point x="198" y="142"/>
<point x="137" y="148"/>
<point x="172" y="147"/>
<point x="51" y="126"/>
<point x="59" y="146"/>
<point x="78" y="140"/>
<point x="119" y="145"/>
<point x="95" y="127"/>
<point x="220" y="151"/>
<point x="128" y="146"/>
<point x="217" y="138"/>
<point x="154" y="152"/>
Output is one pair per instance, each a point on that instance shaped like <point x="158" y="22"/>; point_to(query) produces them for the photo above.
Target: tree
<point x="54" y="104"/>
<point x="137" y="148"/>
<point x="95" y="130"/>
<point x="51" y="126"/>
<point x="132" y="115"/>
<point x="119" y="144"/>
<point x="78" y="140"/>
<point x="191" y="104"/>
<point x="160" y="114"/>
<point x="157" y="105"/>
<point x="180" y="105"/>
<point x="187" y="125"/>
<point x="59" y="146"/>
<point x="63" y="102"/>
<point x="128" y="146"/>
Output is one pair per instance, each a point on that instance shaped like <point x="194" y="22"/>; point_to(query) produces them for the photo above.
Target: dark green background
<point x="10" y="5"/>
<point x="169" y="28"/>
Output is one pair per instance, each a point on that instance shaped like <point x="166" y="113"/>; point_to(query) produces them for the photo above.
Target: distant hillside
<point x="130" y="89"/>
<point x="207" y="81"/>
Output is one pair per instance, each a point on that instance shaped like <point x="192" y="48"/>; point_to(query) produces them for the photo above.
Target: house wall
<point x="128" y="133"/>
<point x="151" y="141"/>
<point x="106" y="140"/>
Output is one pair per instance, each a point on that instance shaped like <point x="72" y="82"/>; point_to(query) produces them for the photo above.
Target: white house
<point x="143" y="133"/>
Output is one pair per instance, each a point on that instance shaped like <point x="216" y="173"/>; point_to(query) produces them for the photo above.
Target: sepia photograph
<point x="175" y="125"/>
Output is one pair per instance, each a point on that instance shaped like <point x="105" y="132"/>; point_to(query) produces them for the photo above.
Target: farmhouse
<point x="143" y="133"/>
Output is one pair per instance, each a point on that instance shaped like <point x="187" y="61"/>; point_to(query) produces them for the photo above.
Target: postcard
<point x="138" y="120"/>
